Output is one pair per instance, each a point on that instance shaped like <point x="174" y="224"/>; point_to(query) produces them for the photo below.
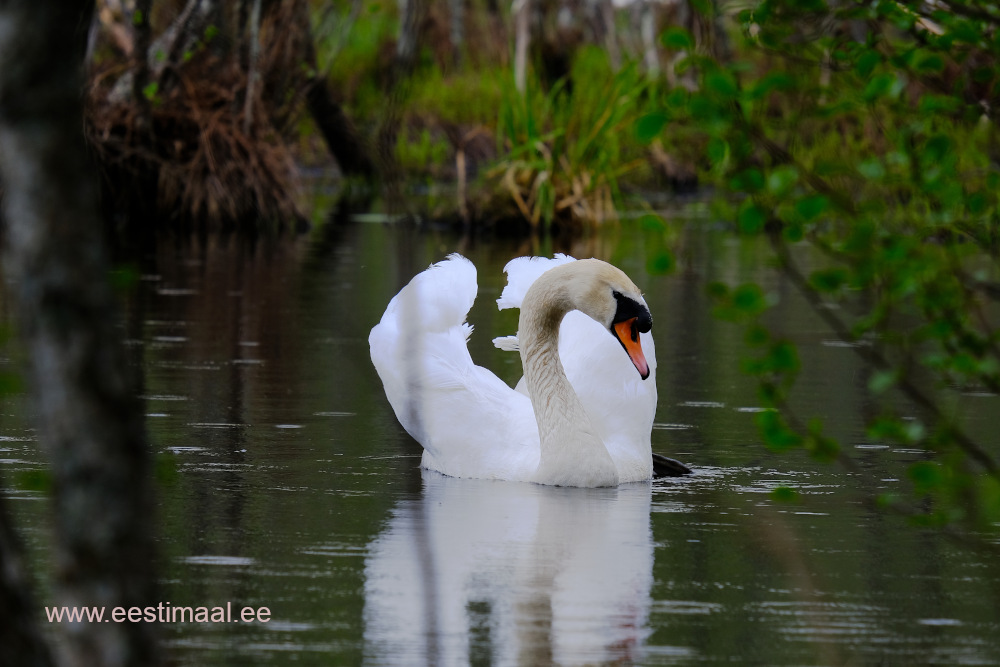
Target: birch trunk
<point x="90" y="421"/>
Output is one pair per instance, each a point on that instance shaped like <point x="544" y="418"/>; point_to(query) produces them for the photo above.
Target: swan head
<point x="605" y="294"/>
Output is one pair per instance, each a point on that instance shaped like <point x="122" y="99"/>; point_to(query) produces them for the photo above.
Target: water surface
<point x="286" y="482"/>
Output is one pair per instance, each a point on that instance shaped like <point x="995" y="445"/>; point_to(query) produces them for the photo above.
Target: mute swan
<point x="583" y="413"/>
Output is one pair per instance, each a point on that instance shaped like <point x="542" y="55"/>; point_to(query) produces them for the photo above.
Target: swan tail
<point x="507" y="343"/>
<point x="522" y="272"/>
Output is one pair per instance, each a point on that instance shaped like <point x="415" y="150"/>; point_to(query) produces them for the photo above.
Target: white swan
<point x="587" y="414"/>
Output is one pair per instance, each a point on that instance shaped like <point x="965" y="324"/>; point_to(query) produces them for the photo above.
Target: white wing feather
<point x="470" y="423"/>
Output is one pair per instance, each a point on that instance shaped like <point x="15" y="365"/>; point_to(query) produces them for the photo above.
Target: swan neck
<point x="572" y="454"/>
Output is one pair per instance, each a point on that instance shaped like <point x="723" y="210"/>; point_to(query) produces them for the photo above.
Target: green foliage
<point x="350" y="49"/>
<point x="659" y="258"/>
<point x="866" y="130"/>
<point x="416" y="150"/>
<point x="565" y="150"/>
<point x="469" y="97"/>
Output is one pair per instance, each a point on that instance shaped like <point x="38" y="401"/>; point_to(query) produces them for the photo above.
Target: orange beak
<point x="627" y="334"/>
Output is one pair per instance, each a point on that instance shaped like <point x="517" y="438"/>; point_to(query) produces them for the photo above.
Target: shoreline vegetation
<point x="526" y="116"/>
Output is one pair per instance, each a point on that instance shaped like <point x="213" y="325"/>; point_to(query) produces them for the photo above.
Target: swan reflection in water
<point x="510" y="573"/>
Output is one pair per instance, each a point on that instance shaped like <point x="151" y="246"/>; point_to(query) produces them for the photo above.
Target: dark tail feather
<point x="664" y="467"/>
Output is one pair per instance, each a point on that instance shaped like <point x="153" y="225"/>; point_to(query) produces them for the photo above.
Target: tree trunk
<point x="411" y="14"/>
<point x="456" y="18"/>
<point x="21" y="641"/>
<point x="346" y="146"/>
<point x="522" y="38"/>
<point x="651" y="54"/>
<point x="90" y="421"/>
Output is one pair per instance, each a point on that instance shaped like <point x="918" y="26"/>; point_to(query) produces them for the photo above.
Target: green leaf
<point x="976" y="203"/>
<point x="886" y="428"/>
<point x="150" y="90"/>
<point x="938" y="103"/>
<point x="650" y="126"/>
<point x="927" y="477"/>
<point x="784" y="357"/>
<point x="822" y="448"/>
<point x="777" y="436"/>
<point x="660" y="262"/>
<point x="677" y="38"/>
<point x="914" y="431"/>
<point x="937" y="148"/>
<point x="778" y="81"/>
<point x="782" y="179"/>
<point x="866" y="63"/>
<point x="748" y="180"/>
<point x="872" y="169"/>
<point x="929" y="63"/>
<point x="881" y="381"/>
<point x="812" y="206"/>
<point x="721" y="83"/>
<point x="887" y="500"/>
<point x="828" y="280"/>
<point x="718" y="150"/>
<point x="652" y="223"/>
<point x="751" y="219"/>
<point x="718" y="291"/>
<point x="792" y="232"/>
<point x="749" y="298"/>
<point x="880" y="85"/>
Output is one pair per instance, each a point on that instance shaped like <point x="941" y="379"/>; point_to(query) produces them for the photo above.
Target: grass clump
<point x="563" y="151"/>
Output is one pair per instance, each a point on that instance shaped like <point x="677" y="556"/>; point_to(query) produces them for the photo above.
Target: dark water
<point x="286" y="482"/>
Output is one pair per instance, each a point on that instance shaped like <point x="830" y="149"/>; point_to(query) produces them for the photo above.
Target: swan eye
<point x="627" y="309"/>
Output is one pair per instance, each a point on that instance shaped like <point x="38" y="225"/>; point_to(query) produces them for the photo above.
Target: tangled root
<point x="192" y="154"/>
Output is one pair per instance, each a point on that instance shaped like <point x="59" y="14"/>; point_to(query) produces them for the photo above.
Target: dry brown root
<point x="196" y="158"/>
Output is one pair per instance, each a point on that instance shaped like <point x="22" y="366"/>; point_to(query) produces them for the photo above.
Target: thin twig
<point x="872" y="357"/>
